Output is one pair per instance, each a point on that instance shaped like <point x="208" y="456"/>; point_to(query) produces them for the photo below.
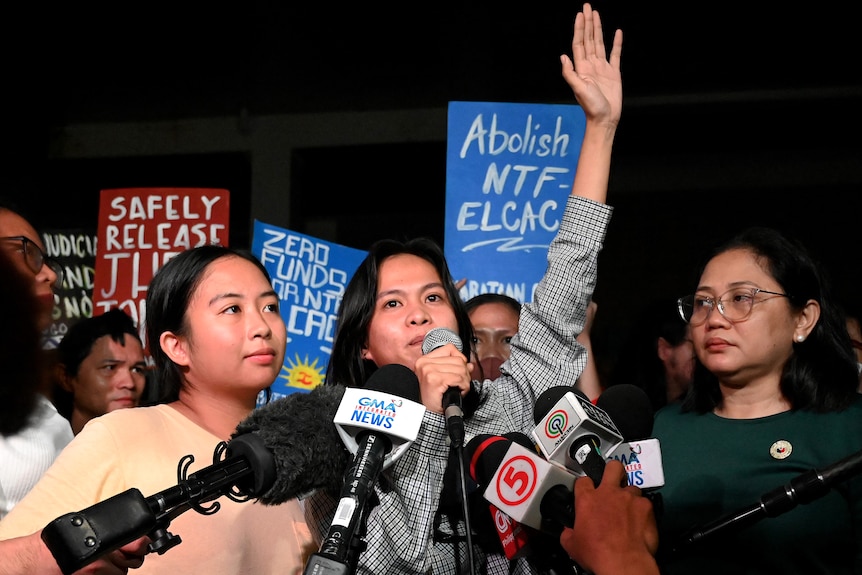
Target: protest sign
<point x="142" y="228"/>
<point x="509" y="171"/>
<point x="309" y="275"/>
<point x="75" y="250"/>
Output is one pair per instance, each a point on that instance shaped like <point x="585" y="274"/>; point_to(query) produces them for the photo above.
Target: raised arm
<point x="595" y="78"/>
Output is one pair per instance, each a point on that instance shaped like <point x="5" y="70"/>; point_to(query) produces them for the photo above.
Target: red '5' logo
<point x="516" y="480"/>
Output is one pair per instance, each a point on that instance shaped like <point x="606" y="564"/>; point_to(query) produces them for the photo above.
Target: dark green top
<point x="716" y="468"/>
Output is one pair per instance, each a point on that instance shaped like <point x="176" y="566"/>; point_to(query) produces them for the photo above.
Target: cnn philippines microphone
<point x="437" y="337"/>
<point x="573" y="433"/>
<point x="382" y="419"/>
<point x="522" y="484"/>
<point x="514" y="538"/>
<point x="630" y="409"/>
<point x="281" y="451"/>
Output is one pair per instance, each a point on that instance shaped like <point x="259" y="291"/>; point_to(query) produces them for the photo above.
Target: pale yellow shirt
<point x="141" y="448"/>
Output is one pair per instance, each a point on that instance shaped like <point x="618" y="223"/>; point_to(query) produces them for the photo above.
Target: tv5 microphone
<point x="573" y="433"/>
<point x="437" y="337"/>
<point x="382" y="419"/>
<point x="513" y="537"/>
<point x="629" y="407"/>
<point x="520" y="483"/>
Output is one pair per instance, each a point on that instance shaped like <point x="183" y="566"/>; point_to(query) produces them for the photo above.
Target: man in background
<point x="101" y="366"/>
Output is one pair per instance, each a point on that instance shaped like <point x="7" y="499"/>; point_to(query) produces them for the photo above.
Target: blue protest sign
<point x="309" y="275"/>
<point x="509" y="172"/>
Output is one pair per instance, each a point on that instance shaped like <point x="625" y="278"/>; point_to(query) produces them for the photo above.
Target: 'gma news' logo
<point x="371" y="411"/>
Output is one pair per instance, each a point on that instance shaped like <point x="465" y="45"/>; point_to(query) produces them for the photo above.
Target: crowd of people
<point x="753" y="378"/>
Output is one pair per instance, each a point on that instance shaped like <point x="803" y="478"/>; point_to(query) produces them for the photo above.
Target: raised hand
<point x="595" y="76"/>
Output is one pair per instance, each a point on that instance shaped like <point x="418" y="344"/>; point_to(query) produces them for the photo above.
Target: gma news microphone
<point x="629" y="407"/>
<point x="573" y="433"/>
<point x="522" y="484"/>
<point x="377" y="422"/>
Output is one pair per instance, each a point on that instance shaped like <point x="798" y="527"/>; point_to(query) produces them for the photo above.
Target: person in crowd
<point x="615" y="529"/>
<point x="402" y="290"/>
<point x="218" y="339"/>
<point x="494" y="317"/>
<point x="20" y="357"/>
<point x="35" y="432"/>
<point x="853" y="321"/>
<point x="101" y="365"/>
<point x="773" y="398"/>
<point x="658" y="355"/>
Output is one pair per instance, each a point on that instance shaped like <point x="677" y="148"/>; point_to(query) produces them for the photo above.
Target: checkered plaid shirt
<point x="401" y="528"/>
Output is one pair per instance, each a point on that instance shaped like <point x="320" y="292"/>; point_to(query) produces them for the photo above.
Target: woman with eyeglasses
<point x="28" y="450"/>
<point x="20" y="239"/>
<point x="773" y="402"/>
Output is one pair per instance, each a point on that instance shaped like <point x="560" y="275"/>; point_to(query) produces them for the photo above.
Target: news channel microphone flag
<point x="509" y="172"/>
<point x="309" y="276"/>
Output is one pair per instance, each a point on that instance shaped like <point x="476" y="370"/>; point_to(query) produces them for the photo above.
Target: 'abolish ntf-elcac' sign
<point x="509" y="172"/>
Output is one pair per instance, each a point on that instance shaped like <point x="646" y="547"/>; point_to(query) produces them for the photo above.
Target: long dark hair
<point x="821" y="373"/>
<point x="168" y="296"/>
<point x="20" y="354"/>
<point x="346" y="366"/>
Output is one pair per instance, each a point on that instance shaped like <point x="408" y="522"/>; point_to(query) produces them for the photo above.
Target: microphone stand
<point x="77" y="539"/>
<point x="455" y="428"/>
<point x="803" y="488"/>
<point x="468" y="526"/>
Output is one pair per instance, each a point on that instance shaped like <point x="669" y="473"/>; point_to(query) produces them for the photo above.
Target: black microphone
<point x="803" y="488"/>
<point x="519" y="482"/>
<point x="390" y="391"/>
<point x="630" y="408"/>
<point x="281" y="451"/>
<point x="511" y="537"/>
<point x="309" y="454"/>
<point x="437" y="337"/>
<point x="573" y="433"/>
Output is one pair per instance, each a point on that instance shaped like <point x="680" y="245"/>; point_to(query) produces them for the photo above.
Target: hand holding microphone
<point x="459" y="373"/>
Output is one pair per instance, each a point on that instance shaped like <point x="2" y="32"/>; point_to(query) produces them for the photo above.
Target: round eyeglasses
<point x="36" y="258"/>
<point x="735" y="305"/>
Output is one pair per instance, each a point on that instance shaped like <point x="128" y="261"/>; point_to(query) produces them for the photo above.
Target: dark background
<point x="734" y="115"/>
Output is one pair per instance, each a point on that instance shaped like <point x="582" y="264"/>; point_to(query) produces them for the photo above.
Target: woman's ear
<point x="807" y="319"/>
<point x="175" y="348"/>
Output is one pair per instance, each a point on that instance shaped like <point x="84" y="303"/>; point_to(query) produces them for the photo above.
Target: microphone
<point x="519" y="482"/>
<point x="384" y="413"/>
<point x="513" y="537"/>
<point x="803" y="488"/>
<point x="282" y="450"/>
<point x="373" y="408"/>
<point x="573" y="433"/>
<point x="629" y="407"/>
<point x="437" y="337"/>
<point x="308" y="450"/>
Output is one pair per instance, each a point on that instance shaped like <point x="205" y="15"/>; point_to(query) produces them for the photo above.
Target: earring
<point x="800" y="338"/>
